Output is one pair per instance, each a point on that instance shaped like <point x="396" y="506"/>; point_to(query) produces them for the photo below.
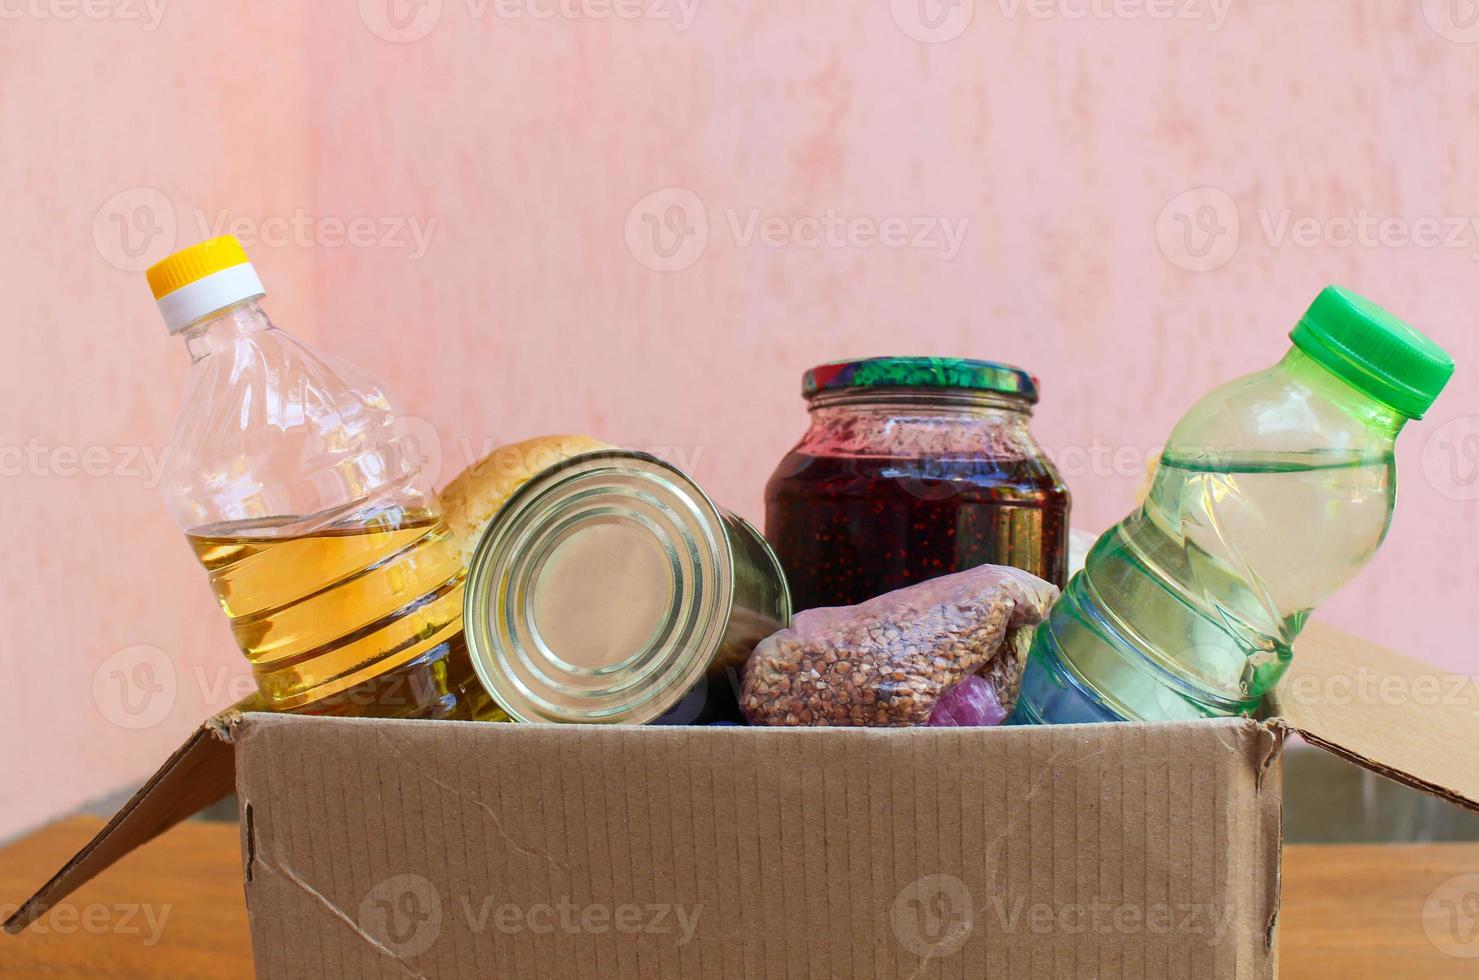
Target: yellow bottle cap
<point x="195" y="263"/>
<point x="203" y="279"/>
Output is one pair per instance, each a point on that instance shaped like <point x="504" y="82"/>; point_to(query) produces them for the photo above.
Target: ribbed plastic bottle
<point x="1272" y="492"/>
<point x="301" y="493"/>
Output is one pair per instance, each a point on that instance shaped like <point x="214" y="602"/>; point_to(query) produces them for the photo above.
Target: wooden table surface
<point x="175" y="909"/>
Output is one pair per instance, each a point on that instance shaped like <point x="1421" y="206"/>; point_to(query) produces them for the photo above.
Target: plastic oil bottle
<point x="1272" y="492"/>
<point x="304" y="499"/>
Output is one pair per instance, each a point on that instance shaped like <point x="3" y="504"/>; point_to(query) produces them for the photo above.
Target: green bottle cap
<point x="1369" y="348"/>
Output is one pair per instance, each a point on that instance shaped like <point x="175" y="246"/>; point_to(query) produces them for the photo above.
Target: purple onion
<point x="971" y="704"/>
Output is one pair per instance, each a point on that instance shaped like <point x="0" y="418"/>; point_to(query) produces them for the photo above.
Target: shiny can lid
<point x="961" y="373"/>
<point x="600" y="592"/>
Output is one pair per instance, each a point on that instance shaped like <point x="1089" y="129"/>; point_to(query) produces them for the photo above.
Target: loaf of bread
<point x="474" y="496"/>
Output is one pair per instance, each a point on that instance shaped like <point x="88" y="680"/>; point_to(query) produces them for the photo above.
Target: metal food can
<point x="611" y="589"/>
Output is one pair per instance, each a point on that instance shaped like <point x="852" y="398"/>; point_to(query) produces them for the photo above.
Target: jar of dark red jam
<point x="914" y="467"/>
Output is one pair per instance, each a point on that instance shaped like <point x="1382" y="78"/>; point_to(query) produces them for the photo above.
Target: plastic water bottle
<point x="1272" y="492"/>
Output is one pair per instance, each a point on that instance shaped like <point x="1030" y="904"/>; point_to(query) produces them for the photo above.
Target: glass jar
<point x="914" y="467"/>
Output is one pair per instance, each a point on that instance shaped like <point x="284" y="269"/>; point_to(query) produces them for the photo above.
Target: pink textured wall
<point x="1134" y="206"/>
<point x="115" y="135"/>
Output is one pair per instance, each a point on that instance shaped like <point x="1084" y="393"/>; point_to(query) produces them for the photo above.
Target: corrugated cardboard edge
<point x="199" y="773"/>
<point x="1271" y="820"/>
<point x="1365" y="762"/>
<point x="806" y="884"/>
<point x="1399" y="717"/>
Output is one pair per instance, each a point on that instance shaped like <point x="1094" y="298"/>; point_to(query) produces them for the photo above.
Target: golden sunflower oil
<point x="361" y="618"/>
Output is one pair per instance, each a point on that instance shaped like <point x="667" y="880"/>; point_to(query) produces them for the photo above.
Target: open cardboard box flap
<point x="1381" y="710"/>
<point x="1396" y="716"/>
<point x="199" y="773"/>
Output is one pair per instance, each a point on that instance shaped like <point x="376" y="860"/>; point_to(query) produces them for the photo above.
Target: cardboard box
<point x="381" y="848"/>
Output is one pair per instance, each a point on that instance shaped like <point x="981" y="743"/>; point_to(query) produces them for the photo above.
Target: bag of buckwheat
<point x="945" y="652"/>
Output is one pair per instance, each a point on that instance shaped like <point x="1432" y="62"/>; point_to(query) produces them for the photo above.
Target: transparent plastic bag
<point x="893" y="660"/>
